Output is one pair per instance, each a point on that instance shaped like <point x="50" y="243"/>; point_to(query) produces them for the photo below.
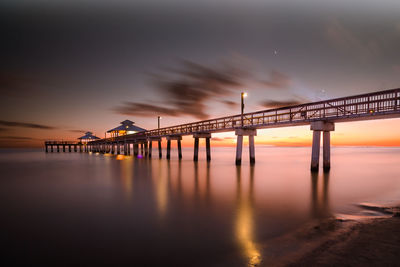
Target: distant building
<point x="88" y="137"/>
<point x="125" y="128"/>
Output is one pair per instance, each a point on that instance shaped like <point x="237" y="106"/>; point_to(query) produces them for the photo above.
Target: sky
<point x="68" y="67"/>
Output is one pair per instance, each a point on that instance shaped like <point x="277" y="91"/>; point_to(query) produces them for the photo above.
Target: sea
<point x="93" y="209"/>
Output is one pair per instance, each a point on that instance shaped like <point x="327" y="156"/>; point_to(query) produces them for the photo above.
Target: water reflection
<point x="161" y="184"/>
<point x="202" y="185"/>
<point x="320" y="196"/>
<point x="126" y="166"/>
<point x="244" y="228"/>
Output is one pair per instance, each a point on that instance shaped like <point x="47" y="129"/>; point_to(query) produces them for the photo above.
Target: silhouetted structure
<point x="321" y="116"/>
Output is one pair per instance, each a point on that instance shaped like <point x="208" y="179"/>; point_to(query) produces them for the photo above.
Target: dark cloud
<point x="145" y="110"/>
<point x="77" y="131"/>
<point x="188" y="90"/>
<point x="229" y="103"/>
<point x="277" y="80"/>
<point x="16" y="138"/>
<point x="279" y="104"/>
<point x="25" y="125"/>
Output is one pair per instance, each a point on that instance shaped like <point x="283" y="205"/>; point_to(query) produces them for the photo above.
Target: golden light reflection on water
<point x="127" y="175"/>
<point x="161" y="186"/>
<point x="319" y="195"/>
<point x="244" y="227"/>
<point x="120" y="157"/>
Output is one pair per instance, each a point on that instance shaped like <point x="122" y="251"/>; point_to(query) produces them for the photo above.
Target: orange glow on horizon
<point x="366" y="133"/>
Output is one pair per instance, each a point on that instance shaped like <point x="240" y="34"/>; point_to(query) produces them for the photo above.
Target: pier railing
<point x="346" y="108"/>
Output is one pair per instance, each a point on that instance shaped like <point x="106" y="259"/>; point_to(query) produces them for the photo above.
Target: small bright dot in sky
<point x="275" y="52"/>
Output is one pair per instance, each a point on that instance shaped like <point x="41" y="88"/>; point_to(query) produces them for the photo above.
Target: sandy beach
<point x="371" y="242"/>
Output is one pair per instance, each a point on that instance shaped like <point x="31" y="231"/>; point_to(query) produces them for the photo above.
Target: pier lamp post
<point x="159" y="118"/>
<point x="242" y="96"/>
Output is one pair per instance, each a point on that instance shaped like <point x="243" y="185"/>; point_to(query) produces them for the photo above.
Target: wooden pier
<point x="50" y="146"/>
<point x="321" y="116"/>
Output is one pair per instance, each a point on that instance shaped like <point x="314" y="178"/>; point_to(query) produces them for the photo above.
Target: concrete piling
<point x="197" y="137"/>
<point x="208" y="149"/>
<point x="317" y="127"/>
<point x="168" y="148"/>
<point x="159" y="149"/>
<point x="178" y="138"/>
<point x="240" y="132"/>
<point x="315" y="150"/>
<point x="196" y="149"/>
<point x="326" y="150"/>
<point x="150" y="148"/>
<point x="239" y="145"/>
<point x="252" y="150"/>
<point x="179" y="149"/>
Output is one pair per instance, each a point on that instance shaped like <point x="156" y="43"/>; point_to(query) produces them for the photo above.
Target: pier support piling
<point x="315" y="150"/>
<point x="178" y="138"/>
<point x="327" y="151"/>
<point x="240" y="132"/>
<point x="326" y="128"/>
<point x="150" y="148"/>
<point x="159" y="149"/>
<point x="208" y="149"/>
<point x="252" y="150"/>
<point x="135" y="149"/>
<point x="146" y="149"/>
<point x="207" y="137"/>
<point x="168" y="148"/>
<point x="150" y="140"/>
<point x="179" y="149"/>
<point x="196" y="149"/>
<point x="239" y="145"/>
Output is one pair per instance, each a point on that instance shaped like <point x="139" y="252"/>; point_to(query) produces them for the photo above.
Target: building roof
<point x="89" y="135"/>
<point x="127" y="125"/>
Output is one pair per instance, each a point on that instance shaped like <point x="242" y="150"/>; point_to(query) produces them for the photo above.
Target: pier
<point x="321" y="116"/>
<point x="52" y="146"/>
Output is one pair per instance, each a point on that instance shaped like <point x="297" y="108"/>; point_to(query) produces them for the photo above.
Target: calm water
<point x="88" y="208"/>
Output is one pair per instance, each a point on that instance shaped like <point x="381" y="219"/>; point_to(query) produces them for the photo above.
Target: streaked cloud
<point x="17" y="138"/>
<point x="277" y="80"/>
<point x="77" y="131"/>
<point x="279" y="104"/>
<point x="26" y="125"/>
<point x="187" y="91"/>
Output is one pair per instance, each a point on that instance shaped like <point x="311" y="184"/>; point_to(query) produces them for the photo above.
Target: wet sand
<point x="371" y="242"/>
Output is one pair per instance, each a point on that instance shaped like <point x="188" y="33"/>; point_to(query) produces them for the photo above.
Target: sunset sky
<point x="68" y="67"/>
